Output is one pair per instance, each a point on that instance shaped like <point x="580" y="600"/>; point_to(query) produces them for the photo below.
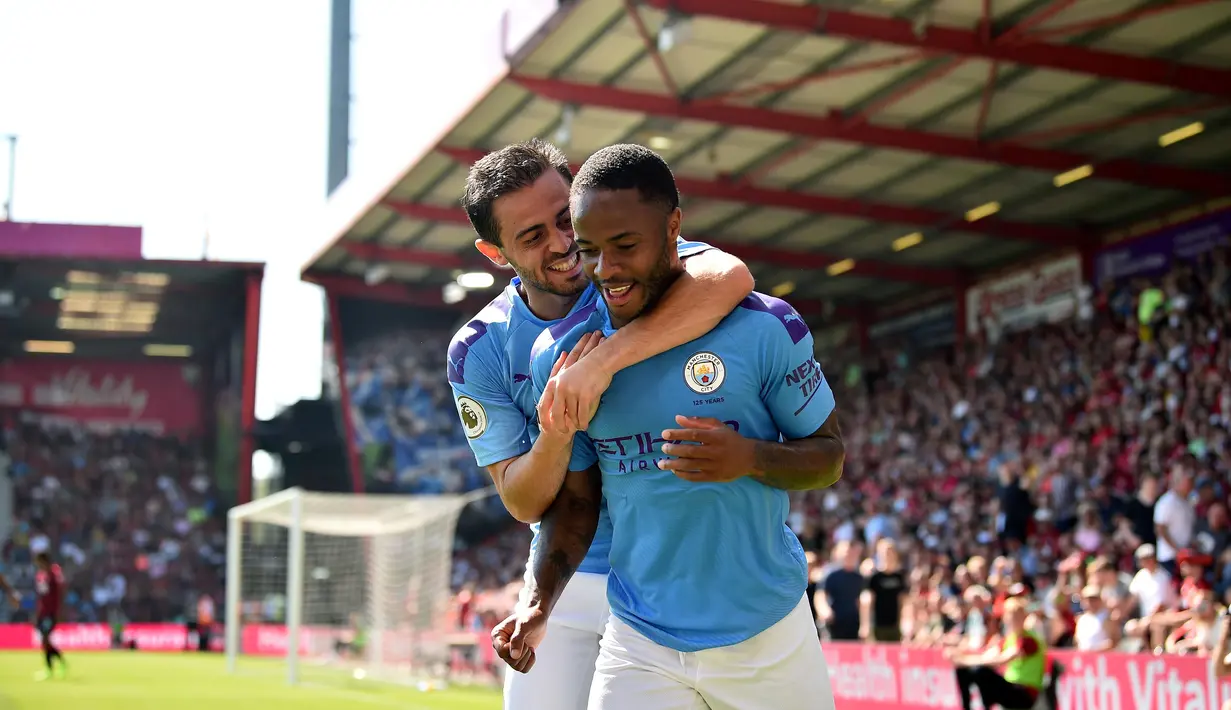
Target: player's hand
<point x="15" y="599"/>
<point x="515" y="638"/>
<point x="581" y="384"/>
<point x="554" y="415"/>
<point x="718" y="455"/>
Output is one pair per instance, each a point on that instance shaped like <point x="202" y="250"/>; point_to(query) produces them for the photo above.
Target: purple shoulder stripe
<point x="779" y="309"/>
<point x="560" y="328"/>
<point x="470" y="334"/>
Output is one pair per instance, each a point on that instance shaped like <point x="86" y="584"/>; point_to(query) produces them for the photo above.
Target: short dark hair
<point x="43" y="558"/>
<point x="506" y="171"/>
<point x="627" y="166"/>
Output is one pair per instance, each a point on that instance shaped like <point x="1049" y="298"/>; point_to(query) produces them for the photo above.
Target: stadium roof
<point x="865" y="151"/>
<point x="113" y="308"/>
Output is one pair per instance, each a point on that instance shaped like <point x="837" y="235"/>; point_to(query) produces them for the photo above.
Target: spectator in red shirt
<point x="49" y="591"/>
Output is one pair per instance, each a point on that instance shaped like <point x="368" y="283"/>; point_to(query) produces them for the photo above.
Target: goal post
<point x="335" y="582"/>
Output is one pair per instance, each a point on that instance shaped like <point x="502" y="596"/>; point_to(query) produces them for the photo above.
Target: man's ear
<point x="674" y="220"/>
<point x="491" y="251"/>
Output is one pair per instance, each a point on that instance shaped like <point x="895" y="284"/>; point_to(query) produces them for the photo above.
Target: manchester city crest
<point x="704" y="372"/>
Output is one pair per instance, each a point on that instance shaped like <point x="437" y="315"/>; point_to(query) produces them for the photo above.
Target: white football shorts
<point x="781" y="668"/>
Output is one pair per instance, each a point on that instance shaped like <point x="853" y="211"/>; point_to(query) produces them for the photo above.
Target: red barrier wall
<point x="890" y="677"/>
<point x="97" y="637"/>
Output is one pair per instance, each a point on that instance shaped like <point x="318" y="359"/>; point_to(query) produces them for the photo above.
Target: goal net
<point x="339" y="583"/>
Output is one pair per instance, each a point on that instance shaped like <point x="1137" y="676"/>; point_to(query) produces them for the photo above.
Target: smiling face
<point x="627" y="248"/>
<point x="536" y="237"/>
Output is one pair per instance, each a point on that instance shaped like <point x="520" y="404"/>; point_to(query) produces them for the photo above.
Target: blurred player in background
<point x="707" y="580"/>
<point x="49" y="593"/>
<point x="13" y="596"/>
<point x="517" y="199"/>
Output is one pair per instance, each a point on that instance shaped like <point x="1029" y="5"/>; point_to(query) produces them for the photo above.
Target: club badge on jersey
<point x="704" y="373"/>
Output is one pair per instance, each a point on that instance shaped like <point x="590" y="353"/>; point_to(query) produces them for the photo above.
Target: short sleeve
<point x="686" y="248"/>
<point x="1162" y="511"/>
<point x="794" y="388"/>
<point x="584" y="454"/>
<point x="495" y="426"/>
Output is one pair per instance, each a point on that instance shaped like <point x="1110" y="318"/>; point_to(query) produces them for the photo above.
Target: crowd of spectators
<point x="1082" y="465"/>
<point x="132" y="518"/>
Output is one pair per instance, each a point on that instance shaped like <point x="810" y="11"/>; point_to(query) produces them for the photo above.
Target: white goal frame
<point x="338" y="514"/>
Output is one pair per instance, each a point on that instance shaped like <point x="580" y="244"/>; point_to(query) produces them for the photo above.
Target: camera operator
<point x="1023" y="654"/>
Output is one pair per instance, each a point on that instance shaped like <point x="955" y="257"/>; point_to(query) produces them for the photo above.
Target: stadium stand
<point x="133" y="518"/>
<point x="123" y="385"/>
<point x="1033" y="464"/>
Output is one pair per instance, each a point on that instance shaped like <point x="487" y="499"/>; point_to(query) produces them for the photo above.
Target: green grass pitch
<point x="160" y="681"/>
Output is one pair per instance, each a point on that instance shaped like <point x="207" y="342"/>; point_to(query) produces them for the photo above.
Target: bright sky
<point x="185" y="116"/>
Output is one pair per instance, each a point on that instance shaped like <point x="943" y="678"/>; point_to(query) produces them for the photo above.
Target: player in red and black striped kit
<point x="49" y="592"/>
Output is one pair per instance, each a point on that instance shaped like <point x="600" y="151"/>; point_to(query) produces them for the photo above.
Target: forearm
<point x="800" y="465"/>
<point x="710" y="288"/>
<point x="993" y="657"/>
<point x="564" y="538"/>
<point x="532" y="481"/>
<point x="1221" y="648"/>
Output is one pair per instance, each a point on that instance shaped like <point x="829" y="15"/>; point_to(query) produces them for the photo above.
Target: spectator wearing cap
<point x="1193" y="566"/>
<point x="1197" y="635"/>
<point x="1175" y="518"/>
<point x="1152" y="589"/>
<point x="1095" y="630"/>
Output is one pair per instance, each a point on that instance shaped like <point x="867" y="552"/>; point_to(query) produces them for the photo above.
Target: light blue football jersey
<point x="489" y="371"/>
<point x="700" y="565"/>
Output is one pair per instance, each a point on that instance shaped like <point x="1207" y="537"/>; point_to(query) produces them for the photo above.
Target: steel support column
<point x="247" y="412"/>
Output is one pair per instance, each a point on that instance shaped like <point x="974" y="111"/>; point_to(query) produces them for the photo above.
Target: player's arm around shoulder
<point x="794" y="389"/>
<point x="713" y="284"/>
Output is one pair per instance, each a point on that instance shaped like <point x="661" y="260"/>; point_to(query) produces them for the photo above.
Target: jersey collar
<point x="523" y="309"/>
